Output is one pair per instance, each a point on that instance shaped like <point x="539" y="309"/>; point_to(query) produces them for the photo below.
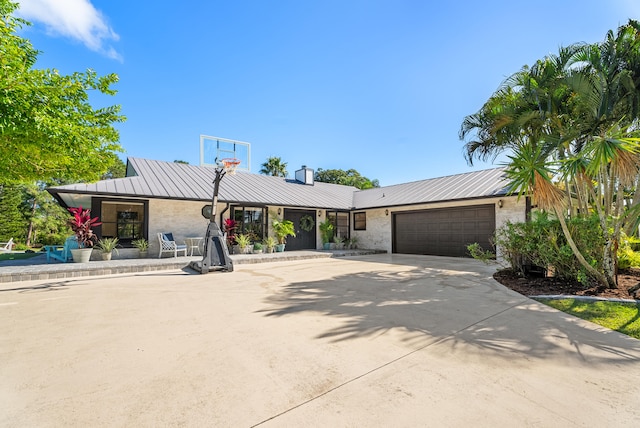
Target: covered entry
<point x="443" y="231"/>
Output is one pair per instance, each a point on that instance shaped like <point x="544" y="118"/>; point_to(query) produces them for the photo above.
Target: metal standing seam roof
<point x="470" y="185"/>
<point x="171" y="180"/>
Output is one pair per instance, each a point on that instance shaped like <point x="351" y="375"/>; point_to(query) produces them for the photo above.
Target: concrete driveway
<point x="366" y="341"/>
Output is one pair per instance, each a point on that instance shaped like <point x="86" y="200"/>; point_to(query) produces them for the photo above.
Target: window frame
<point x="96" y="211"/>
<point x="240" y="225"/>
<point x="357" y="220"/>
<point x="336" y="227"/>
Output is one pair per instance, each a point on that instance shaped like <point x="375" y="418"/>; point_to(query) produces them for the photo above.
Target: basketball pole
<point x="216" y="253"/>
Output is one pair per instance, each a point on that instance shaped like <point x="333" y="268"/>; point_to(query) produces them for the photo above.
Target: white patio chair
<point x="169" y="245"/>
<point x="6" y="246"/>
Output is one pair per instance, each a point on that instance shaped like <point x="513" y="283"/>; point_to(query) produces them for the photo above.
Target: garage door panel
<point x="443" y="231"/>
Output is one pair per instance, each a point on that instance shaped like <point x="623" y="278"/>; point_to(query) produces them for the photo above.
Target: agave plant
<point x="82" y="225"/>
<point x="270" y="242"/>
<point x="243" y="241"/>
<point x="107" y="245"/>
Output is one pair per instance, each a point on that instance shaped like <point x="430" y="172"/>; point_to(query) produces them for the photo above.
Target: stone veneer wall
<point x="182" y="218"/>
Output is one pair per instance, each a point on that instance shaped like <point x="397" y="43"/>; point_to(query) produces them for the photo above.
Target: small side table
<point x="193" y="243"/>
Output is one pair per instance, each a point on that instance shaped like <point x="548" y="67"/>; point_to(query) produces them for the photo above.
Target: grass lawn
<point x="622" y="317"/>
<point x="16" y="256"/>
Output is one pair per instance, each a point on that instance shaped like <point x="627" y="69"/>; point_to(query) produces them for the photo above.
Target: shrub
<point x="627" y="257"/>
<point x="540" y="242"/>
<point x="19" y="246"/>
<point x="477" y="252"/>
<point x="53" y="239"/>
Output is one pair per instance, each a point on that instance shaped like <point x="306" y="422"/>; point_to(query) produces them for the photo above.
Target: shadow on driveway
<point x="440" y="305"/>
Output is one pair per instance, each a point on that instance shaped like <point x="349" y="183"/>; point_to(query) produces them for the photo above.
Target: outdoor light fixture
<point x="319" y="213"/>
<point x="386" y="212"/>
<point x="499" y="203"/>
<point x="279" y="211"/>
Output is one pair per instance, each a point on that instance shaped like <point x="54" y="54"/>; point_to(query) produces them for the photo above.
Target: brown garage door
<point x="443" y="231"/>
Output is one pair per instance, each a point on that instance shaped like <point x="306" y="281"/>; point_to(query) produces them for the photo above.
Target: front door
<point x="304" y="240"/>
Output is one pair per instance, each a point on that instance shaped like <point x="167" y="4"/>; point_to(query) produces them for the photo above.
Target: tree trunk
<point x="30" y="228"/>
<point x="609" y="263"/>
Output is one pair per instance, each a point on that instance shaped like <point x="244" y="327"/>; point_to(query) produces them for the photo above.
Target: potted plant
<point x="270" y="243"/>
<point x="326" y="234"/>
<point x="143" y="247"/>
<point x="82" y="225"/>
<point x="243" y="241"/>
<point x="107" y="246"/>
<point x="257" y="248"/>
<point x="230" y="231"/>
<point x="282" y="229"/>
<point x="339" y="242"/>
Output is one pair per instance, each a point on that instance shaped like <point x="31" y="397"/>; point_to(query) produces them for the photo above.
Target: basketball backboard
<point x="213" y="149"/>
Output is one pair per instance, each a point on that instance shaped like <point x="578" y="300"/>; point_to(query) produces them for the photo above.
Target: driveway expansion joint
<point x="387" y="364"/>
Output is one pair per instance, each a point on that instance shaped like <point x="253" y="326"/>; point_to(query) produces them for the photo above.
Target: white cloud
<point x="77" y="19"/>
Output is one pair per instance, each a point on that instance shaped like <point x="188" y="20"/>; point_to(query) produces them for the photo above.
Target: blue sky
<point x="378" y="86"/>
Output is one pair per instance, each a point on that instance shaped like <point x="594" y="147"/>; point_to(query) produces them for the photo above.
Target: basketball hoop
<point x="230" y="165"/>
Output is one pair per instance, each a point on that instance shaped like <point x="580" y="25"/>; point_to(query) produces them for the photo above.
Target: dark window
<point x="250" y="221"/>
<point x="123" y="220"/>
<point x="340" y="222"/>
<point x="359" y="221"/>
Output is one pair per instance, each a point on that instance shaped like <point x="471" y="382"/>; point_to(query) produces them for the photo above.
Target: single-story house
<point x="437" y="216"/>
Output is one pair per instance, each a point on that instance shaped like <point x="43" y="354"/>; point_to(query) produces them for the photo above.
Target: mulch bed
<point x="553" y="286"/>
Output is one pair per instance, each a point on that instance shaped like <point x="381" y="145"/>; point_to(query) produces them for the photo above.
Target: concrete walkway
<point x="373" y="341"/>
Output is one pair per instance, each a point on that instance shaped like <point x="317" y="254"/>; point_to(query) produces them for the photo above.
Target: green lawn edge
<point x="16" y="256"/>
<point x="619" y="316"/>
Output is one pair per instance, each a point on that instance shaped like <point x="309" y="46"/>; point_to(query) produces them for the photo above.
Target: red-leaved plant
<point x="81" y="223"/>
<point x="230" y="230"/>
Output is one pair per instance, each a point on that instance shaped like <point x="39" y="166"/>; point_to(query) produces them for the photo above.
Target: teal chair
<point x="62" y="252"/>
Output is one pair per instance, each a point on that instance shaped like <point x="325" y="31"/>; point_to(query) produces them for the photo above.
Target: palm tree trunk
<point x="567" y="234"/>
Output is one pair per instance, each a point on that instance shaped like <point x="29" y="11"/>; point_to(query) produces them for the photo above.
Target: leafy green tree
<point x="118" y="169"/>
<point x="181" y="161"/>
<point x="48" y="128"/>
<point x="47" y="220"/>
<point x="13" y="223"/>
<point x="570" y="123"/>
<point x="275" y="167"/>
<point x="350" y="177"/>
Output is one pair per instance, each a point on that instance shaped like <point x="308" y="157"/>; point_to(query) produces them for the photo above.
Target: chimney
<point x="305" y="175"/>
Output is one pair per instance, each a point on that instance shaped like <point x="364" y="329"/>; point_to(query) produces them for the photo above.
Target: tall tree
<point x="571" y="119"/>
<point x="275" y="167"/>
<point x="13" y="223"/>
<point x="350" y="177"/>
<point x="118" y="169"/>
<point x="48" y="128"/>
<point x="46" y="219"/>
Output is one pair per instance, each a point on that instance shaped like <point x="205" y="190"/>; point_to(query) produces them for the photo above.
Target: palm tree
<point x="573" y="118"/>
<point x="275" y="167"/>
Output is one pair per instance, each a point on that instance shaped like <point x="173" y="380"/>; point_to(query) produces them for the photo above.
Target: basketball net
<point x="230" y="165"/>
